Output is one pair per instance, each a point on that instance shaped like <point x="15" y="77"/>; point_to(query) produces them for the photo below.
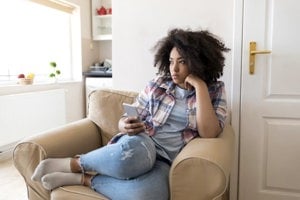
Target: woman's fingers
<point x="134" y="127"/>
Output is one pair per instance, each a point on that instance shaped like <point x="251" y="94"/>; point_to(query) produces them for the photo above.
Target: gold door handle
<point x="252" y="53"/>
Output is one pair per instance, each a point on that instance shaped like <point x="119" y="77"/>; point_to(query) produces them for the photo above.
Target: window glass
<point x="32" y="36"/>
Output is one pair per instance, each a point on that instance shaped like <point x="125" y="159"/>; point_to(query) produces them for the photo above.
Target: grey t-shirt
<point x="168" y="138"/>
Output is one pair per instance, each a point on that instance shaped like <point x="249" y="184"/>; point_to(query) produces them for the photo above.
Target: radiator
<point x="27" y="114"/>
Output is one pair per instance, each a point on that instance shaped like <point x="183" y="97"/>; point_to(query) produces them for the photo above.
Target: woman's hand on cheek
<point x="192" y="81"/>
<point x="188" y="86"/>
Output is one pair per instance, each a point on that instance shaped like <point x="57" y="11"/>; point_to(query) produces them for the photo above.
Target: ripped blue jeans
<point x="128" y="170"/>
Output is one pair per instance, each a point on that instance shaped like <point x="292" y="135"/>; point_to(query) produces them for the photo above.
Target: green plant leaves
<point x="53" y="64"/>
<point x="55" y="72"/>
<point x="52" y="75"/>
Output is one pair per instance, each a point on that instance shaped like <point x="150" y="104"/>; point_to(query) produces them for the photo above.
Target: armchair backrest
<point x="105" y="109"/>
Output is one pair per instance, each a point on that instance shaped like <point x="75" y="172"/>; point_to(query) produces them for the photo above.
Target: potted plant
<point x="54" y="71"/>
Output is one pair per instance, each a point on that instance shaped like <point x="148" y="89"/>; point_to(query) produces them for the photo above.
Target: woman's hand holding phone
<point x="131" y="124"/>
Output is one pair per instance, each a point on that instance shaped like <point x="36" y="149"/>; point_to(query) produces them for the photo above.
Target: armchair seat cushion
<point x="76" y="192"/>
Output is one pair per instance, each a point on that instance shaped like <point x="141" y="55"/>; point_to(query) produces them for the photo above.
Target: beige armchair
<point x="201" y="170"/>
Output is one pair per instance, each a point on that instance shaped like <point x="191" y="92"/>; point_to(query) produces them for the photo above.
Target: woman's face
<point x="178" y="68"/>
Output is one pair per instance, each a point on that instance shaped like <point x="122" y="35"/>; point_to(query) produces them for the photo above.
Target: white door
<point x="270" y="102"/>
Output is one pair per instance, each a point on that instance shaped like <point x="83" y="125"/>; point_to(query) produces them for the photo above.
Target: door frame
<point x="237" y="52"/>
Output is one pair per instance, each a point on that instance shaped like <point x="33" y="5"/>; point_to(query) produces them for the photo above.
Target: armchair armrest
<point x="66" y="141"/>
<point x="201" y="170"/>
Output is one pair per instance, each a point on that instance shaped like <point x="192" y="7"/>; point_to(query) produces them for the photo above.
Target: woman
<point x="184" y="101"/>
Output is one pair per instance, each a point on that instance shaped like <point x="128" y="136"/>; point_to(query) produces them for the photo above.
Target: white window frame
<point x="76" y="57"/>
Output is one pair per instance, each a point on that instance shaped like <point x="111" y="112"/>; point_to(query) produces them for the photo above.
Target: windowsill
<point x="17" y="88"/>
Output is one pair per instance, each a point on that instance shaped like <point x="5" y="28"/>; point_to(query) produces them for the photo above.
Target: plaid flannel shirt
<point x="156" y="102"/>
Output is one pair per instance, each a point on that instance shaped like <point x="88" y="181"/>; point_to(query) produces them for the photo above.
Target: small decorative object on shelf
<point x="26" y="80"/>
<point x="109" y="11"/>
<point x="101" y="11"/>
<point x="55" y="72"/>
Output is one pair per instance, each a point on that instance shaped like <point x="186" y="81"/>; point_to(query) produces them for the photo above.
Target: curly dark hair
<point x="202" y="51"/>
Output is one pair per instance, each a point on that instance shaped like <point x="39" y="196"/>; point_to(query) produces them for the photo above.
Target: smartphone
<point x="130" y="110"/>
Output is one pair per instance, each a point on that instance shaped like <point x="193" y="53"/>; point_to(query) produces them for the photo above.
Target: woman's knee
<point x="139" y="145"/>
<point x="137" y="156"/>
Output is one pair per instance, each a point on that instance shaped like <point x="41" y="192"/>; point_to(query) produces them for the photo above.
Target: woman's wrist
<point x="200" y="86"/>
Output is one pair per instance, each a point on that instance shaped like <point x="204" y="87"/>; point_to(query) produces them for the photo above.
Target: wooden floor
<point x="12" y="185"/>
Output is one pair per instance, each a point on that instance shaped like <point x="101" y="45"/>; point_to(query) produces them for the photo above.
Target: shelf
<point x="102" y="37"/>
<point x="101" y="24"/>
<point x="103" y="16"/>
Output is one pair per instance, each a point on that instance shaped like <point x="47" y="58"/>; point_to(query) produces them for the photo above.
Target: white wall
<point x="136" y="29"/>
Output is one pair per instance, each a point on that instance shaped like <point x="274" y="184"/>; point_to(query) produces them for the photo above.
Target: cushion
<point x="105" y="109"/>
<point x="76" y="192"/>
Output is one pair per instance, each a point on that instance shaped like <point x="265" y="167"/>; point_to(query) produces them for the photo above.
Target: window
<point x="33" y="35"/>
